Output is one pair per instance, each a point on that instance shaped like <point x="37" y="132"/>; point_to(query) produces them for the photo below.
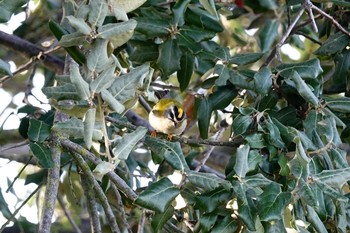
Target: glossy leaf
<point x="268" y="35"/>
<point x="334" y="44"/>
<point x="303" y="89"/>
<point x="257" y="180"/>
<point x="98" y="58"/>
<point x="207" y="181"/>
<point x="207" y="221"/>
<point x="227" y="225"/>
<point x="169" y="58"/>
<point x="315" y="220"/>
<point x="209" y="201"/>
<point x="171" y="151"/>
<point x="272" y="203"/>
<point x="241" y="166"/>
<point x="256" y="140"/>
<point x="204" y="114"/>
<point x="209" y="5"/>
<point x="5" y="68"/>
<point x="203" y="19"/>
<point x="263" y="81"/>
<point x="196" y="34"/>
<point x="125" y="86"/>
<point x="241" y="124"/>
<point x="333" y="178"/>
<point x="245" y="58"/>
<point x="152" y="27"/>
<point x="340" y="104"/>
<point x="179" y="11"/>
<point x="89" y="123"/>
<point x="158" y="196"/>
<point x="38" y="131"/>
<point x="185" y="73"/>
<point x="42" y="153"/>
<point x="310" y="69"/>
<point x="81" y="86"/>
<point x="127" y="143"/>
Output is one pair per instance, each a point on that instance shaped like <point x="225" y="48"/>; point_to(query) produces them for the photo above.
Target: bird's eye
<point x="178" y="113"/>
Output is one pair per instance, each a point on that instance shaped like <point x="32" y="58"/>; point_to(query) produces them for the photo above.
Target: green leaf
<point x="268" y="102"/>
<point x="179" y="11"/>
<point x="127" y="143"/>
<point x="5" y="68"/>
<point x="171" y="151"/>
<point x="89" y="124"/>
<point x="204" y="114"/>
<point x="152" y="27"/>
<point x="9" y="7"/>
<point x="97" y="12"/>
<point x="143" y="52"/>
<point x="309" y="69"/>
<point x="125" y="86"/>
<point x="241" y="124"/>
<point x="241" y="166"/>
<point x="38" y="131"/>
<point x="64" y="92"/>
<point x="102" y="168"/>
<point x="340" y="104"/>
<point x="210" y="201"/>
<point x="158" y="196"/>
<point x="224" y="74"/>
<point x="185" y="73"/>
<point x="75" y="128"/>
<point x="256" y="140"/>
<point x="303" y="89"/>
<point x="272" y="203"/>
<point x="268" y="34"/>
<point x="195" y="33"/>
<point x="240" y="80"/>
<point x="117" y="33"/>
<point x="79" y="24"/>
<point x="127" y="5"/>
<point x="209" y="5"/>
<point x="263" y="81"/>
<point x="314" y="219"/>
<point x="42" y="153"/>
<point x="98" y="58"/>
<point x="207" y="221"/>
<point x="245" y="58"/>
<point x="159" y="219"/>
<point x="227" y="225"/>
<point x="333" y="178"/>
<point x="103" y="80"/>
<point x="112" y="102"/>
<point x="257" y="180"/>
<point x="71" y="40"/>
<point x="169" y="58"/>
<point x="334" y="44"/>
<point x="4" y="207"/>
<point x="81" y="86"/>
<point x="202" y="19"/>
<point x="207" y="181"/>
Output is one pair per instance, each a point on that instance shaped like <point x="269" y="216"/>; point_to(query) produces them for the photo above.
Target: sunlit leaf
<point x="314" y="219"/>
<point x="81" y="86"/>
<point x="64" y="92"/>
<point x="117" y="33"/>
<point x="112" y="102"/>
<point x="79" y="24"/>
<point x="241" y="166"/>
<point x="75" y="128"/>
<point x="158" y="196"/>
<point x="97" y="12"/>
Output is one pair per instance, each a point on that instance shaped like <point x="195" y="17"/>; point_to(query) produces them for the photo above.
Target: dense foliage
<point x="282" y="125"/>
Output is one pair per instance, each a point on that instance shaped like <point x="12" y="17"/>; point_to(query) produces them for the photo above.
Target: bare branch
<point x="68" y="215"/>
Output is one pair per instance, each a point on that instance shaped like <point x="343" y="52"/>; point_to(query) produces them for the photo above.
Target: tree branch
<point x="31" y="50"/>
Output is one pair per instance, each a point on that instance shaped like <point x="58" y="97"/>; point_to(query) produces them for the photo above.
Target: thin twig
<point x="91" y="205"/>
<point x="331" y="19"/>
<point x="121" y="207"/>
<point x="119" y="182"/>
<point x="68" y="215"/>
<point x="53" y="178"/>
<point x="141" y="225"/>
<point x="98" y="191"/>
<point x="308" y="5"/>
<point x="18" y="175"/>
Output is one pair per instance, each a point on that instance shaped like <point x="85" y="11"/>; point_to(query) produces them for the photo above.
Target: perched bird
<point x="168" y="117"/>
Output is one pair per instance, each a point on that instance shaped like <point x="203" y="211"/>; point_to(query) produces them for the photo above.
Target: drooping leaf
<point x="75" y="128"/>
<point x="207" y="221"/>
<point x="42" y="153"/>
<point x="310" y="69"/>
<point x="315" y="220"/>
<point x="5" y="68"/>
<point x="241" y="124"/>
<point x="179" y="11"/>
<point x="128" y="142"/>
<point x="170" y="151"/>
<point x="204" y="114"/>
<point x="340" y="104"/>
<point x="268" y="34"/>
<point x="112" y="102"/>
<point x="81" y="86"/>
<point x="185" y="73"/>
<point x="334" y="44"/>
<point x="38" y="131"/>
<point x="241" y="166"/>
<point x="89" y="123"/>
<point x="169" y="57"/>
<point x="158" y="196"/>
<point x="224" y="74"/>
<point x="4" y="207"/>
<point x="303" y="89"/>
<point x="272" y="203"/>
<point x="333" y="178"/>
<point x="125" y="86"/>
<point x="160" y="219"/>
<point x="245" y="58"/>
<point x="102" y="168"/>
<point x="207" y="181"/>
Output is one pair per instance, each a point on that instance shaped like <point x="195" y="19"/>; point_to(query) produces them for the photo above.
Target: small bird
<point x="168" y="117"/>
